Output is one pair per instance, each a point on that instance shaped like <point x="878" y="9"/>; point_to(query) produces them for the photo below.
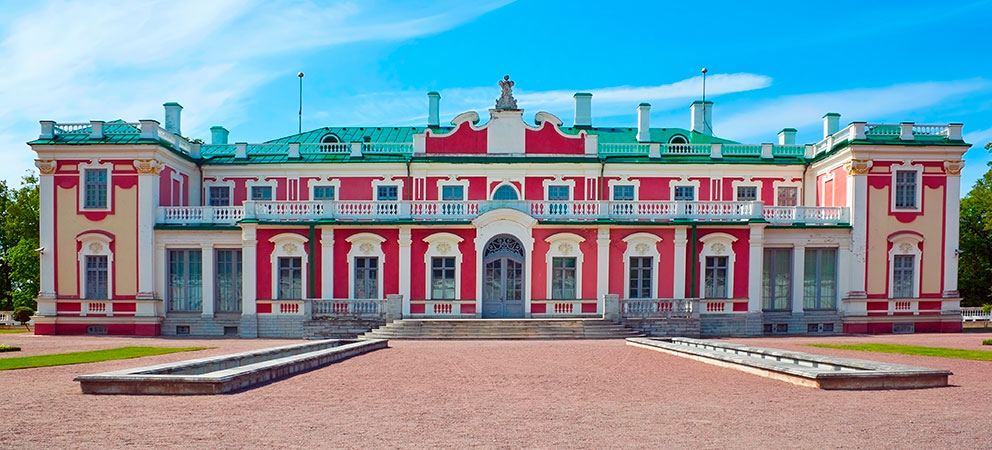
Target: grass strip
<point x="5" y="330"/>
<point x="9" y="348"/>
<point x="987" y="342"/>
<point x="61" y="359"/>
<point x="915" y="350"/>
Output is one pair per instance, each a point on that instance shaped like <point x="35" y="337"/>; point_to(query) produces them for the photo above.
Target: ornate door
<point x="503" y="278"/>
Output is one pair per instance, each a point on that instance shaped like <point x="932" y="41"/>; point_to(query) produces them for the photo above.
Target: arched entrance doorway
<point x="503" y="278"/>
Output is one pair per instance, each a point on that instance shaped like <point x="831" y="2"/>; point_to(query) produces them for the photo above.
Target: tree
<point x="23" y="315"/>
<point x="19" y="262"/>
<point x="975" y="263"/>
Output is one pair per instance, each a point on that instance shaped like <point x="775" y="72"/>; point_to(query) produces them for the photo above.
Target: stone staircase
<point x="480" y="329"/>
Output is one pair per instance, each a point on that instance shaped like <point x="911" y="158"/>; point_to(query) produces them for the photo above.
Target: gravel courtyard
<point x="499" y="394"/>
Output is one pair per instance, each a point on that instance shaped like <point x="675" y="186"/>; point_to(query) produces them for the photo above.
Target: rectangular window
<point x="776" y="279"/>
<point x="228" y="280"/>
<point x="262" y="193"/>
<point x="95" y="189"/>
<point x="747" y="193"/>
<point x="905" y="189"/>
<point x="685" y="193"/>
<point x="324" y="193"/>
<point x="903" y="268"/>
<point x="387" y="193"/>
<point x="97" y="277"/>
<point x="452" y="193"/>
<point x="366" y="277"/>
<point x="715" y="281"/>
<point x="219" y="196"/>
<point x="563" y="279"/>
<point x="623" y="192"/>
<point x="640" y="277"/>
<point x="290" y="278"/>
<point x="787" y="196"/>
<point x="820" y="278"/>
<point x="185" y="281"/>
<point x="443" y="278"/>
<point x="558" y="192"/>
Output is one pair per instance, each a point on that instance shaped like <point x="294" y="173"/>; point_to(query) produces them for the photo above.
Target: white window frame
<point x="288" y="245"/>
<point x="452" y="182"/>
<point x="397" y="183"/>
<point x="558" y="181"/>
<point x="717" y="244"/>
<point x="781" y="184"/>
<point x="682" y="183"/>
<point x="177" y="176"/>
<point x="95" y="244"/>
<point x="906" y="166"/>
<point x="905" y="244"/>
<point x="520" y="195"/>
<point x="229" y="184"/>
<point x="443" y="245"/>
<point x="564" y="245"/>
<point x="641" y="244"/>
<point x="252" y="184"/>
<point x="336" y="184"/>
<point x="625" y="182"/>
<point x="93" y="164"/>
<point x="365" y="245"/>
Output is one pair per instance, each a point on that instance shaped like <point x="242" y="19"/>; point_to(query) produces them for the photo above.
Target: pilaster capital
<point x="148" y="166"/>
<point x="953" y="168"/>
<point x="45" y="166"/>
<point x="405" y="239"/>
<point x="857" y="166"/>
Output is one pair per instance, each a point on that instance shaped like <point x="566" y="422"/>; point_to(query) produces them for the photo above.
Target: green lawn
<point x="8" y="330"/>
<point x="939" y="352"/>
<point x="61" y="359"/>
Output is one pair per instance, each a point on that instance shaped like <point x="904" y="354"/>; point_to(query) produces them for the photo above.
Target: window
<point x="261" y="192"/>
<point x="452" y="192"/>
<point x="97" y="277"/>
<point x="905" y="189"/>
<point x="563" y="280"/>
<point x="505" y="192"/>
<point x="747" y="193"/>
<point x="185" y="280"/>
<point x="715" y="272"/>
<point x="389" y="192"/>
<point x="228" y="280"/>
<point x="219" y="196"/>
<point x="323" y="193"/>
<point x="903" y="276"/>
<point x="95" y="189"/>
<point x="678" y="139"/>
<point x="366" y="277"/>
<point x="787" y="196"/>
<point x="685" y="193"/>
<point x="776" y="279"/>
<point x="443" y="278"/>
<point x="623" y="192"/>
<point x="640" y="277"/>
<point x="329" y="139"/>
<point x="290" y="277"/>
<point x="820" y="278"/>
<point x="558" y="193"/>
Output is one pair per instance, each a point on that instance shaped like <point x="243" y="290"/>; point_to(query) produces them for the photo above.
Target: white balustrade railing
<point x="191" y="215"/>
<point x="72" y="128"/>
<point x="610" y="148"/>
<point x="565" y="210"/>
<point x="442" y="308"/>
<point x="444" y="210"/>
<point x="807" y="214"/>
<point x="350" y="307"/>
<point x="930" y="130"/>
<point x="96" y="308"/>
<point x="740" y="149"/>
<point x="975" y="314"/>
<point x="684" y="149"/>
<point x="177" y="141"/>
<point x="396" y="148"/>
<point x="568" y="308"/>
<point x="634" y="308"/>
<point x="720" y="306"/>
<point x="789" y="150"/>
<point x="881" y="129"/>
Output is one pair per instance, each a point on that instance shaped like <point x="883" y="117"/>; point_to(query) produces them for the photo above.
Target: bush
<point x="987" y="308"/>
<point x="9" y="348"/>
<point x="987" y="342"/>
<point x="22" y="314"/>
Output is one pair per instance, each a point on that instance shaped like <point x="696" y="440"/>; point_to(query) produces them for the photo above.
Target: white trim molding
<point x="443" y="245"/>
<point x="564" y="245"/>
<point x="258" y="183"/>
<point x="334" y="183"/>
<point x="684" y="182"/>
<point x="558" y="181"/>
<point x="95" y="244"/>
<point x="781" y="184"/>
<point x="288" y="245"/>
<point x="746" y="182"/>
<point x="504" y="182"/>
<point x="906" y="166"/>
<point x="229" y="184"/>
<point x="365" y="245"/>
<point x="452" y="181"/>
<point x="93" y="164"/>
<point x="904" y="243"/>
<point x="641" y="244"/>
<point x="394" y="182"/>
<point x="624" y="181"/>
<point x="717" y="244"/>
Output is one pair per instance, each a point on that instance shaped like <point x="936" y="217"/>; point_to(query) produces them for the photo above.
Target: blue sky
<point x="234" y="63"/>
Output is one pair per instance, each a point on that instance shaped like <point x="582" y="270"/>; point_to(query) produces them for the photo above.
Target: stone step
<point x="511" y="329"/>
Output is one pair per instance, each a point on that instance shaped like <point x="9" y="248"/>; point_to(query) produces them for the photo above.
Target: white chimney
<point x="583" y="109"/>
<point x="644" y="122"/>
<point x="433" y="109"/>
<point x="787" y="136"/>
<point x="173" y="111"/>
<point x="701" y="114"/>
<point x="831" y="124"/>
<point x="218" y="134"/>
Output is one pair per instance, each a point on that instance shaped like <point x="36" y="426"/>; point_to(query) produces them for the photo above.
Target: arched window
<point x="678" y="144"/>
<point x="329" y="139"/>
<point x="505" y="192"/>
<point x="678" y="139"/>
<point x="331" y="144"/>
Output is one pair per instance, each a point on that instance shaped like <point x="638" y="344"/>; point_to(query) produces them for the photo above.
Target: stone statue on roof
<point x="506" y="100"/>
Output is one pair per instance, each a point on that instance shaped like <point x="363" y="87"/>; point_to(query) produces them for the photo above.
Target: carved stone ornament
<point x="718" y="248"/>
<point x="289" y="247"/>
<point x="147" y="166"/>
<point x="857" y="166"/>
<point x="641" y="248"/>
<point x="45" y="166"/>
<point x="565" y="248"/>
<point x="906" y="247"/>
<point x="443" y="248"/>
<point x="365" y="248"/>
<point x="506" y="100"/>
<point x="953" y="167"/>
<point x="96" y="247"/>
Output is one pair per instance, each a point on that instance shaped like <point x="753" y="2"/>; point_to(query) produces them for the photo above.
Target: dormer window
<point x="329" y="139"/>
<point x="678" y="139"/>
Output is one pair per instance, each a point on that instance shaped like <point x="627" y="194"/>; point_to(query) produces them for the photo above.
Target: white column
<point x="326" y="262"/>
<point x="148" y="187"/>
<point x="857" y="184"/>
<point x="46" y="232"/>
<point x="679" y="272"/>
<point x="160" y="275"/>
<point x="207" y="269"/>
<point x="602" y="266"/>
<point x="249" y="245"/>
<point x="952" y="225"/>
<point x="798" y="276"/>
<point x="755" y="267"/>
<point x="843" y="276"/>
<point x="404" y="265"/>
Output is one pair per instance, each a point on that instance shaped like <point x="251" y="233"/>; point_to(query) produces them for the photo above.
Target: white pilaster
<point x="207" y="269"/>
<point x="326" y="262"/>
<point x="46" y="229"/>
<point x="679" y="272"/>
<point x="148" y="193"/>
<point x="404" y="265"/>
<point x="160" y="275"/>
<point x="756" y="243"/>
<point x="602" y="266"/>
<point x="843" y="276"/>
<point x="798" y="277"/>
<point x="952" y="227"/>
<point x="857" y="182"/>
<point x="249" y="246"/>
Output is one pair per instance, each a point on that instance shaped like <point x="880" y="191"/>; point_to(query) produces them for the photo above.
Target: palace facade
<point x="147" y="232"/>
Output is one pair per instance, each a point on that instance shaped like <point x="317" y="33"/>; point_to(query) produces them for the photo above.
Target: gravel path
<point x="501" y="394"/>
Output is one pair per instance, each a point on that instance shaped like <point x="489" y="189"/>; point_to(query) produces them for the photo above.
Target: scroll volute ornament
<point x="953" y="167"/>
<point x="45" y="166"/>
<point x="147" y="166"/>
<point x="857" y="166"/>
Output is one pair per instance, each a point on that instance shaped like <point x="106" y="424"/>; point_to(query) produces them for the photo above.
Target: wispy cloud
<point x="107" y="59"/>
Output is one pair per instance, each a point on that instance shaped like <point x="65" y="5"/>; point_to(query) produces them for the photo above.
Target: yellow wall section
<point x="123" y="224"/>
<point x="881" y="225"/>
